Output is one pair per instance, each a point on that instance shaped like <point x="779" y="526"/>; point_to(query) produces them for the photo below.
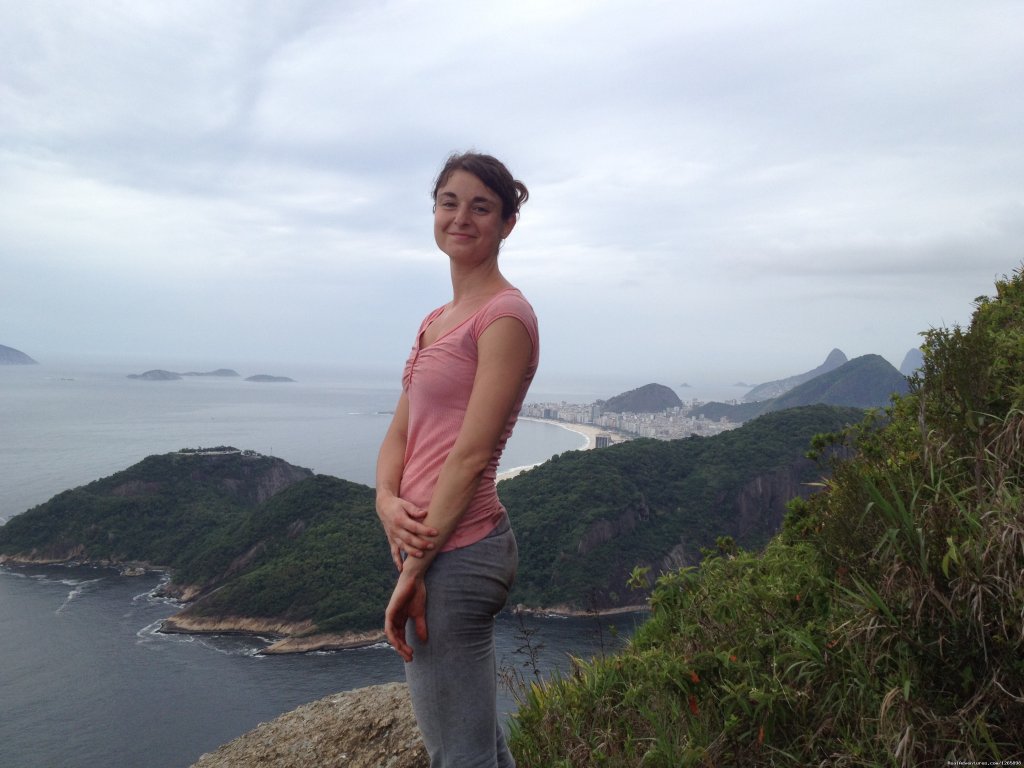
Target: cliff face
<point x="367" y="728"/>
<point x="754" y="513"/>
<point x="760" y="505"/>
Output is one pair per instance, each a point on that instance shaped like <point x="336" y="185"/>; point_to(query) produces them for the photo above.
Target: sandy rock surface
<point x="367" y="728"/>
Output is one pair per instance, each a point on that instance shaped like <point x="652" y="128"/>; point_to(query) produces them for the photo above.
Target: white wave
<point x="236" y="646"/>
<point x="376" y="646"/>
<point x="151" y="635"/>
<point x="80" y="587"/>
<point x="153" y="596"/>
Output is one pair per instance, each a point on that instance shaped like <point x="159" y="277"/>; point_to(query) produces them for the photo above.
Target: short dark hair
<point x="493" y="173"/>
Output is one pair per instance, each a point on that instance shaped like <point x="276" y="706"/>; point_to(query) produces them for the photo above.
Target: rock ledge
<point x="366" y="728"/>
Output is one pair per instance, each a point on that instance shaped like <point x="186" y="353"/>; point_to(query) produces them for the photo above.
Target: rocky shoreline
<point x="287" y="637"/>
<point x="291" y="637"/>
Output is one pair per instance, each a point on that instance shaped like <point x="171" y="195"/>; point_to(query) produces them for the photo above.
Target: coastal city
<point x="603" y="428"/>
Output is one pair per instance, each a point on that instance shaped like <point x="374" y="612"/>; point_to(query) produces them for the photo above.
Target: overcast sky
<point x="718" y="190"/>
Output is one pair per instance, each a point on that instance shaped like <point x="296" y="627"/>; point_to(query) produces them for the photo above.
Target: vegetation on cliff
<point x="244" y="535"/>
<point x="584" y="519"/>
<point x="882" y="627"/>
<point x="252" y="539"/>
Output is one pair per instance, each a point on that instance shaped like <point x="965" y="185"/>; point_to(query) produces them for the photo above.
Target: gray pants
<point x="453" y="676"/>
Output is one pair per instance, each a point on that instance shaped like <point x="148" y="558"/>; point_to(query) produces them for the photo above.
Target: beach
<point x="588" y="431"/>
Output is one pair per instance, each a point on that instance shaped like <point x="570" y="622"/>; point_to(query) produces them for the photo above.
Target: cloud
<point x="716" y="189"/>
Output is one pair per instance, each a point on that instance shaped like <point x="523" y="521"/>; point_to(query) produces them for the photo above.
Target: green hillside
<point x="882" y="627"/>
<point x="252" y="537"/>
<point x="243" y="534"/>
<point x="585" y="519"/>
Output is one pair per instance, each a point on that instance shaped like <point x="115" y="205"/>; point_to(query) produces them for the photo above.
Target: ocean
<point x="86" y="678"/>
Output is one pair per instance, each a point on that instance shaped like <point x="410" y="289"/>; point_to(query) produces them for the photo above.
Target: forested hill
<point x="245" y="536"/>
<point x="584" y="520"/>
<point x="868" y="381"/>
<point x="250" y="538"/>
<point x="650" y="398"/>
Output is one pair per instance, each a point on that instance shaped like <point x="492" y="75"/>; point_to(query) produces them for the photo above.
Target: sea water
<point x="86" y="678"/>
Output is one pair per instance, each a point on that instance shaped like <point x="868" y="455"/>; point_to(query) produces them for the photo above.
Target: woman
<point x="462" y="388"/>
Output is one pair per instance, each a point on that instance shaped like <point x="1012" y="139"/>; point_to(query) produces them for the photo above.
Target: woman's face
<point x="467" y="219"/>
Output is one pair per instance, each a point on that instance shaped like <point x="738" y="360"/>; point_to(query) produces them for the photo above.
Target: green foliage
<point x="882" y="627"/>
<point x="310" y="552"/>
<point x="585" y="520"/>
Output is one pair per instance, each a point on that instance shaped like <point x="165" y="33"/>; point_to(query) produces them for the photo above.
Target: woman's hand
<point x="408" y="601"/>
<point x="402" y="525"/>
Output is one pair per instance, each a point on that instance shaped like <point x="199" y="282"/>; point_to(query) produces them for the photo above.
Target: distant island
<point x="159" y="374"/>
<point x="220" y="372"/>
<point x="262" y="377"/>
<point x="12" y="356"/>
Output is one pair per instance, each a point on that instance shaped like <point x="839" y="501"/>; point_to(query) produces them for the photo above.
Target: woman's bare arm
<point x="401" y="519"/>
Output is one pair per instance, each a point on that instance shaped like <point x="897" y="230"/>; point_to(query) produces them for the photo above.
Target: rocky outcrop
<point x="602" y="531"/>
<point x="760" y="505"/>
<point x="293" y="636"/>
<point x="367" y="728"/>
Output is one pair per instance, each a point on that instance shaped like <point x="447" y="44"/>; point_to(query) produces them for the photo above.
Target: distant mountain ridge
<point x="12" y="356"/>
<point x="650" y="398"/>
<point x="772" y="389"/>
<point x="868" y="381"/>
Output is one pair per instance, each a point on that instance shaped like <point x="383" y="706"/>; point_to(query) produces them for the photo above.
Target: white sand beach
<point x="588" y="431"/>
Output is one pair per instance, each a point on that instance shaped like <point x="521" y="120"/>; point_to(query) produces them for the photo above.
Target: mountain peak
<point x="772" y="389"/>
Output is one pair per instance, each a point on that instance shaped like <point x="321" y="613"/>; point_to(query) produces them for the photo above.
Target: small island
<point x="157" y="374"/>
<point x="263" y="378"/>
<point x="223" y="373"/>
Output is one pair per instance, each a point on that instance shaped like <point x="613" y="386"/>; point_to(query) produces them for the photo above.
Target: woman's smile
<point x="468" y="215"/>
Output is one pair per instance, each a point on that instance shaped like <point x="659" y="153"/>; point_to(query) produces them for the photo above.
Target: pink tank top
<point x="438" y="380"/>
